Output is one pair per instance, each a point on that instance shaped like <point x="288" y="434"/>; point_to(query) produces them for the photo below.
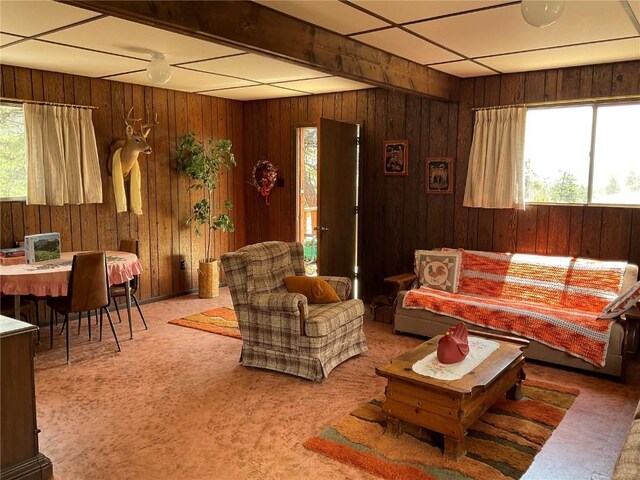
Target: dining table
<point x="51" y="278"/>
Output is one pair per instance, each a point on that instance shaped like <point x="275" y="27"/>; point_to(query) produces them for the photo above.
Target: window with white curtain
<point x="583" y="155"/>
<point x="13" y="157"/>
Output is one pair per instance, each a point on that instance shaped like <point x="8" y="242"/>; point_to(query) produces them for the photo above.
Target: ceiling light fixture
<point x="541" y="13"/>
<point x="159" y="70"/>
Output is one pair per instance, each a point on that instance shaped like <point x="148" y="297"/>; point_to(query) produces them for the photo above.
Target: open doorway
<point x="307" y="204"/>
<point x="327" y="200"/>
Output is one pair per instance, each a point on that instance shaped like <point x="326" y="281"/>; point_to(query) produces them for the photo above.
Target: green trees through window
<point x="559" y="162"/>
<point x="13" y="162"/>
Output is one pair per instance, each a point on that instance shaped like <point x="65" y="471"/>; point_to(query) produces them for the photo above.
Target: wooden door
<point x="337" y="197"/>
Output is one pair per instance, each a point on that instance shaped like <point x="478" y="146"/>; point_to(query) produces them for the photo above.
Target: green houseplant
<point x="203" y="162"/>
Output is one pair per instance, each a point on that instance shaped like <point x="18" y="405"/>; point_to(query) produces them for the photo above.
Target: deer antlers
<point x="145" y="129"/>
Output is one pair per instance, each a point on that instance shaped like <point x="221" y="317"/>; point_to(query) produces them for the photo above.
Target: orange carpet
<point x="501" y="445"/>
<point x="222" y="321"/>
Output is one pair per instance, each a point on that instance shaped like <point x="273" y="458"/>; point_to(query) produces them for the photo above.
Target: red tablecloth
<point x="52" y="278"/>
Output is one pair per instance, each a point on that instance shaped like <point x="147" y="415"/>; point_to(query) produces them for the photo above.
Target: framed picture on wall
<point x="440" y="176"/>
<point x="396" y="157"/>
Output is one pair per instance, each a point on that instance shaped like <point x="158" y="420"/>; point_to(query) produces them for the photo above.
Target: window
<point x="583" y="155"/>
<point x="13" y="160"/>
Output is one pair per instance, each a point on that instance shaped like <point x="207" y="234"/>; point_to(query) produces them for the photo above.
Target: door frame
<point x="361" y="143"/>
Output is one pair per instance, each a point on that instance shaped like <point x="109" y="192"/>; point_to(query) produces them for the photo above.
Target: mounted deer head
<point x="135" y="143"/>
<point x="123" y="163"/>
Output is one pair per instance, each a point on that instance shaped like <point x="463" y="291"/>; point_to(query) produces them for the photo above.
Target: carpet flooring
<point x="501" y="444"/>
<point x="177" y="404"/>
<point x="220" y="320"/>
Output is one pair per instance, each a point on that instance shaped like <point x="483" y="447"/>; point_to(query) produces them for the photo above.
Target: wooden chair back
<point x="89" y="284"/>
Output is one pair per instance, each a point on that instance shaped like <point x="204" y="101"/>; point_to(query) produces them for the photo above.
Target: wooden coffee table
<point x="450" y="407"/>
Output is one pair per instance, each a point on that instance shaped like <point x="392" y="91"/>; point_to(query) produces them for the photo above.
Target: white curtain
<point x="62" y="156"/>
<point x="495" y="178"/>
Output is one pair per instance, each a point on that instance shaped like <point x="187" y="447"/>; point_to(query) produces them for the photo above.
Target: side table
<point x="382" y="305"/>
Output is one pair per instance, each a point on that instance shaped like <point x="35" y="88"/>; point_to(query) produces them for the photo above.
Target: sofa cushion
<point x="574" y="283"/>
<point x="438" y="269"/>
<point x="315" y="289"/>
<point x="325" y="318"/>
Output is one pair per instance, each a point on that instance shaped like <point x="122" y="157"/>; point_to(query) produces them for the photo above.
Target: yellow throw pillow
<point x="315" y="289"/>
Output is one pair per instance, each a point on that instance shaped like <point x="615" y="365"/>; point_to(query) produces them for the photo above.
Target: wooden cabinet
<point x="19" y="454"/>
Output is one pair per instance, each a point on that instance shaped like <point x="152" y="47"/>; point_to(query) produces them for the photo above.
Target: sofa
<point x="477" y="283"/>
<point x="628" y="464"/>
<point x="283" y="331"/>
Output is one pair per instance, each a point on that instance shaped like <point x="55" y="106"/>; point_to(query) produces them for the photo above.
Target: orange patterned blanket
<point x="553" y="300"/>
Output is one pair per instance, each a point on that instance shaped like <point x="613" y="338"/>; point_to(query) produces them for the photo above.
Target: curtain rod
<point x="38" y="102"/>
<point x="581" y="101"/>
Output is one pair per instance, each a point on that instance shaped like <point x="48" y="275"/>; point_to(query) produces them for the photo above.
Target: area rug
<point x="222" y="321"/>
<point x="501" y="444"/>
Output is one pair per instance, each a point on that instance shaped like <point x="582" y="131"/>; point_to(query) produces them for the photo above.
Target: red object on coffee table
<point x="453" y="347"/>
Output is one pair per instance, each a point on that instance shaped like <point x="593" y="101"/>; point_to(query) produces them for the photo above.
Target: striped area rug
<point x="501" y="444"/>
<point x="222" y="321"/>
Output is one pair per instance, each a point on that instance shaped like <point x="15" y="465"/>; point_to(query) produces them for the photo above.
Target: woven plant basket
<point x="208" y="279"/>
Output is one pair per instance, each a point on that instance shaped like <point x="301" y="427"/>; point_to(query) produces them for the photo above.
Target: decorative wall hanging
<point x="396" y="157"/>
<point x="123" y="163"/>
<point x="440" y="175"/>
<point x="265" y="176"/>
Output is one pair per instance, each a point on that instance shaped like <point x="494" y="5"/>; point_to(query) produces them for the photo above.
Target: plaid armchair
<point x="280" y="330"/>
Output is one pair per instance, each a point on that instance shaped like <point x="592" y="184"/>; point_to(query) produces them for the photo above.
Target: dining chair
<point x="88" y="290"/>
<point x="119" y="291"/>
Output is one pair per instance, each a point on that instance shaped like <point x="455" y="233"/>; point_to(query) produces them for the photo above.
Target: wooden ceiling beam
<point x="253" y="27"/>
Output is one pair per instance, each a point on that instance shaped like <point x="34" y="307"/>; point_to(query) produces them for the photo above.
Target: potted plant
<point x="203" y="162"/>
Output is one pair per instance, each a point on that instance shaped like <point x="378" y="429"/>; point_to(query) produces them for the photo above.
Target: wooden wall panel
<point x="164" y="237"/>
<point x="392" y="209"/>
<point x="396" y="216"/>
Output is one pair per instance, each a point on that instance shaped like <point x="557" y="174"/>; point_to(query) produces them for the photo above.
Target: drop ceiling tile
<point x="403" y="44"/>
<point x="57" y="58"/>
<point x="606" y="52"/>
<point x="408" y="10"/>
<point x="330" y="14"/>
<point x="259" y="92"/>
<point x="503" y="30"/>
<point x="6" y="39"/>
<point x="464" y="69"/>
<point x="137" y="40"/>
<point x="185" y="80"/>
<point x="28" y="18"/>
<point x="325" y="85"/>
<point x="257" y="68"/>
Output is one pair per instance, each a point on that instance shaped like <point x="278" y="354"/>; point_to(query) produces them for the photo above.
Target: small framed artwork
<point x="440" y="175"/>
<point x="396" y="157"/>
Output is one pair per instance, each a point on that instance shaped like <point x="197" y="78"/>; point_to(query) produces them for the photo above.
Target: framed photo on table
<point x="396" y="157"/>
<point x="440" y="176"/>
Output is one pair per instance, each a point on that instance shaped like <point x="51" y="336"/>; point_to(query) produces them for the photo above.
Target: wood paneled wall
<point x="164" y="238"/>
<point x="397" y="216"/>
<point x="393" y="210"/>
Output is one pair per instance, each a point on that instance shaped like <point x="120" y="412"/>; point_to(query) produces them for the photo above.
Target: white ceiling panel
<point x="403" y="44"/>
<point x="325" y="85"/>
<point x="114" y="35"/>
<point x="28" y="18"/>
<point x="503" y="30"/>
<point x="329" y="14"/>
<point x="259" y="92"/>
<point x="464" y="69"/>
<point x="635" y="7"/>
<point x="56" y="58"/>
<point x="605" y="52"/>
<point x="407" y="10"/>
<point x="6" y="39"/>
<point x="256" y="67"/>
<point x="185" y="80"/>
